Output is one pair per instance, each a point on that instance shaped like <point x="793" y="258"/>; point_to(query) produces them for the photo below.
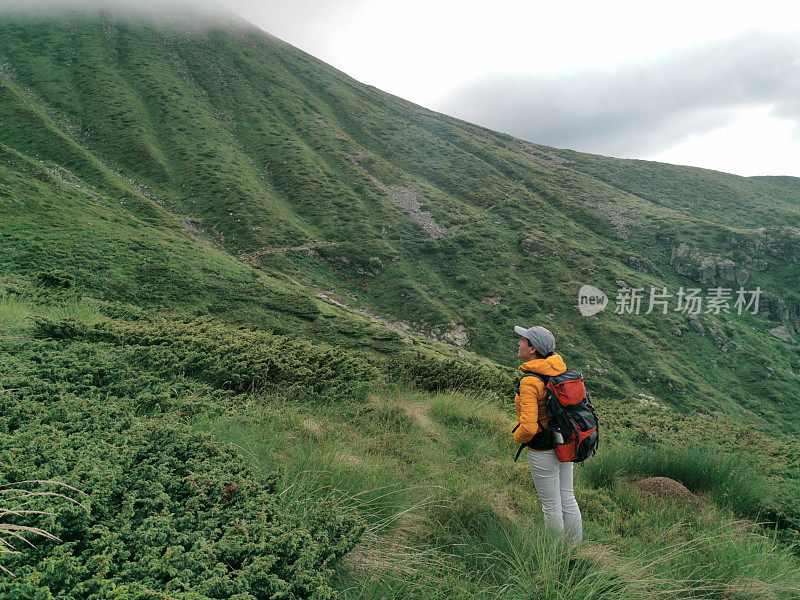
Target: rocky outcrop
<point x="456" y="334"/>
<point x="781" y="242"/>
<point x="755" y="264"/>
<point x="781" y="310"/>
<point x="695" y="323"/>
<point x="640" y="263"/>
<point x="706" y="268"/>
<point x="718" y="335"/>
<point x="492" y="300"/>
<point x="782" y="333"/>
<point x="760" y="250"/>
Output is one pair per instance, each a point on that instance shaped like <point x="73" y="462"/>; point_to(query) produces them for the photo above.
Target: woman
<point x="552" y="478"/>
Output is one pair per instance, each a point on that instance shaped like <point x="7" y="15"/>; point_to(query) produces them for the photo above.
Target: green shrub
<point x="433" y="373"/>
<point x="227" y="357"/>
<point x="172" y="513"/>
<point x="55" y="278"/>
<point x="58" y="330"/>
<point x="239" y="359"/>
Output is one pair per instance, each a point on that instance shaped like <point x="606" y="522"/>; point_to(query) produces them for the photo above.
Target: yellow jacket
<point x="530" y="401"/>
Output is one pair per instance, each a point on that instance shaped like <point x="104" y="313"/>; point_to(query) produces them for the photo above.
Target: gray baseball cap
<point x="540" y="338"/>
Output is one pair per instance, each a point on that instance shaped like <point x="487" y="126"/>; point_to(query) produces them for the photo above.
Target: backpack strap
<point x="544" y="379"/>
<point x="521" y="446"/>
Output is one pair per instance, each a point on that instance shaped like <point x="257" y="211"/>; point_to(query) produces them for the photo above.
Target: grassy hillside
<point x="259" y="151"/>
<point x="260" y="315"/>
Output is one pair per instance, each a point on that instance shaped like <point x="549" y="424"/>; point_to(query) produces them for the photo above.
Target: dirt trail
<point x="379" y="321"/>
<point x="252" y="257"/>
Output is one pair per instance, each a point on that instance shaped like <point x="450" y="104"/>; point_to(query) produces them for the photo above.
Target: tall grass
<point x="17" y="311"/>
<point x="731" y="480"/>
<point x="543" y="566"/>
<point x="431" y="491"/>
<point x="727" y="560"/>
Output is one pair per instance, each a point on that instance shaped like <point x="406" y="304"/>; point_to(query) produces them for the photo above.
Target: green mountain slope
<point x="260" y="315"/>
<point x="157" y="166"/>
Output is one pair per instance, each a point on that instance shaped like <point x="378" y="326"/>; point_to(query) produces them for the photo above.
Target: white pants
<point x="553" y="482"/>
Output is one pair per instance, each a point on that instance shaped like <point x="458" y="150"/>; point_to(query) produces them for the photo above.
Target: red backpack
<point x="573" y="422"/>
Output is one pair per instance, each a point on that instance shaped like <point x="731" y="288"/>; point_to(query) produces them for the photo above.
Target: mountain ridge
<point x="416" y="216"/>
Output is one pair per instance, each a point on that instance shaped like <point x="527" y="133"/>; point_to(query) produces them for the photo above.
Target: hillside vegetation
<point x="261" y="315"/>
<point x="176" y="152"/>
<point x="216" y="466"/>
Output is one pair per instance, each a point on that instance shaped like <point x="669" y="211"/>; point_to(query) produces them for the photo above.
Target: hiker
<point x="551" y="478"/>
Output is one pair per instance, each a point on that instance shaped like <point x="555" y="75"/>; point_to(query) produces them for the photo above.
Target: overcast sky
<point x="714" y="84"/>
<point x="711" y="84"/>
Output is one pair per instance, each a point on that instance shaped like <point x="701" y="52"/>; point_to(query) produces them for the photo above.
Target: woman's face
<point x="525" y="350"/>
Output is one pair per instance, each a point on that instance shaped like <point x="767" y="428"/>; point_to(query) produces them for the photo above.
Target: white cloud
<point x="643" y="109"/>
<point x="754" y="143"/>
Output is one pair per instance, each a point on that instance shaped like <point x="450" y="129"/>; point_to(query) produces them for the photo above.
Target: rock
<point x="781" y="242"/>
<point x="406" y="198"/>
<point x="493" y="300"/>
<point x="680" y="251"/>
<point x="665" y="489"/>
<point x="528" y="244"/>
<point x="755" y="264"/>
<point x="782" y="333"/>
<point x="195" y="227"/>
<point x="646" y="401"/>
<point x="696" y="324"/>
<point x="457" y="335"/>
<point x="705" y="268"/>
<point x="719" y="337"/>
<point x="741" y="276"/>
<point x="779" y="309"/>
<point x="640" y="263"/>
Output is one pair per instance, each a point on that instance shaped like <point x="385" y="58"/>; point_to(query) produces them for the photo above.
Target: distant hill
<point x="157" y="166"/>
